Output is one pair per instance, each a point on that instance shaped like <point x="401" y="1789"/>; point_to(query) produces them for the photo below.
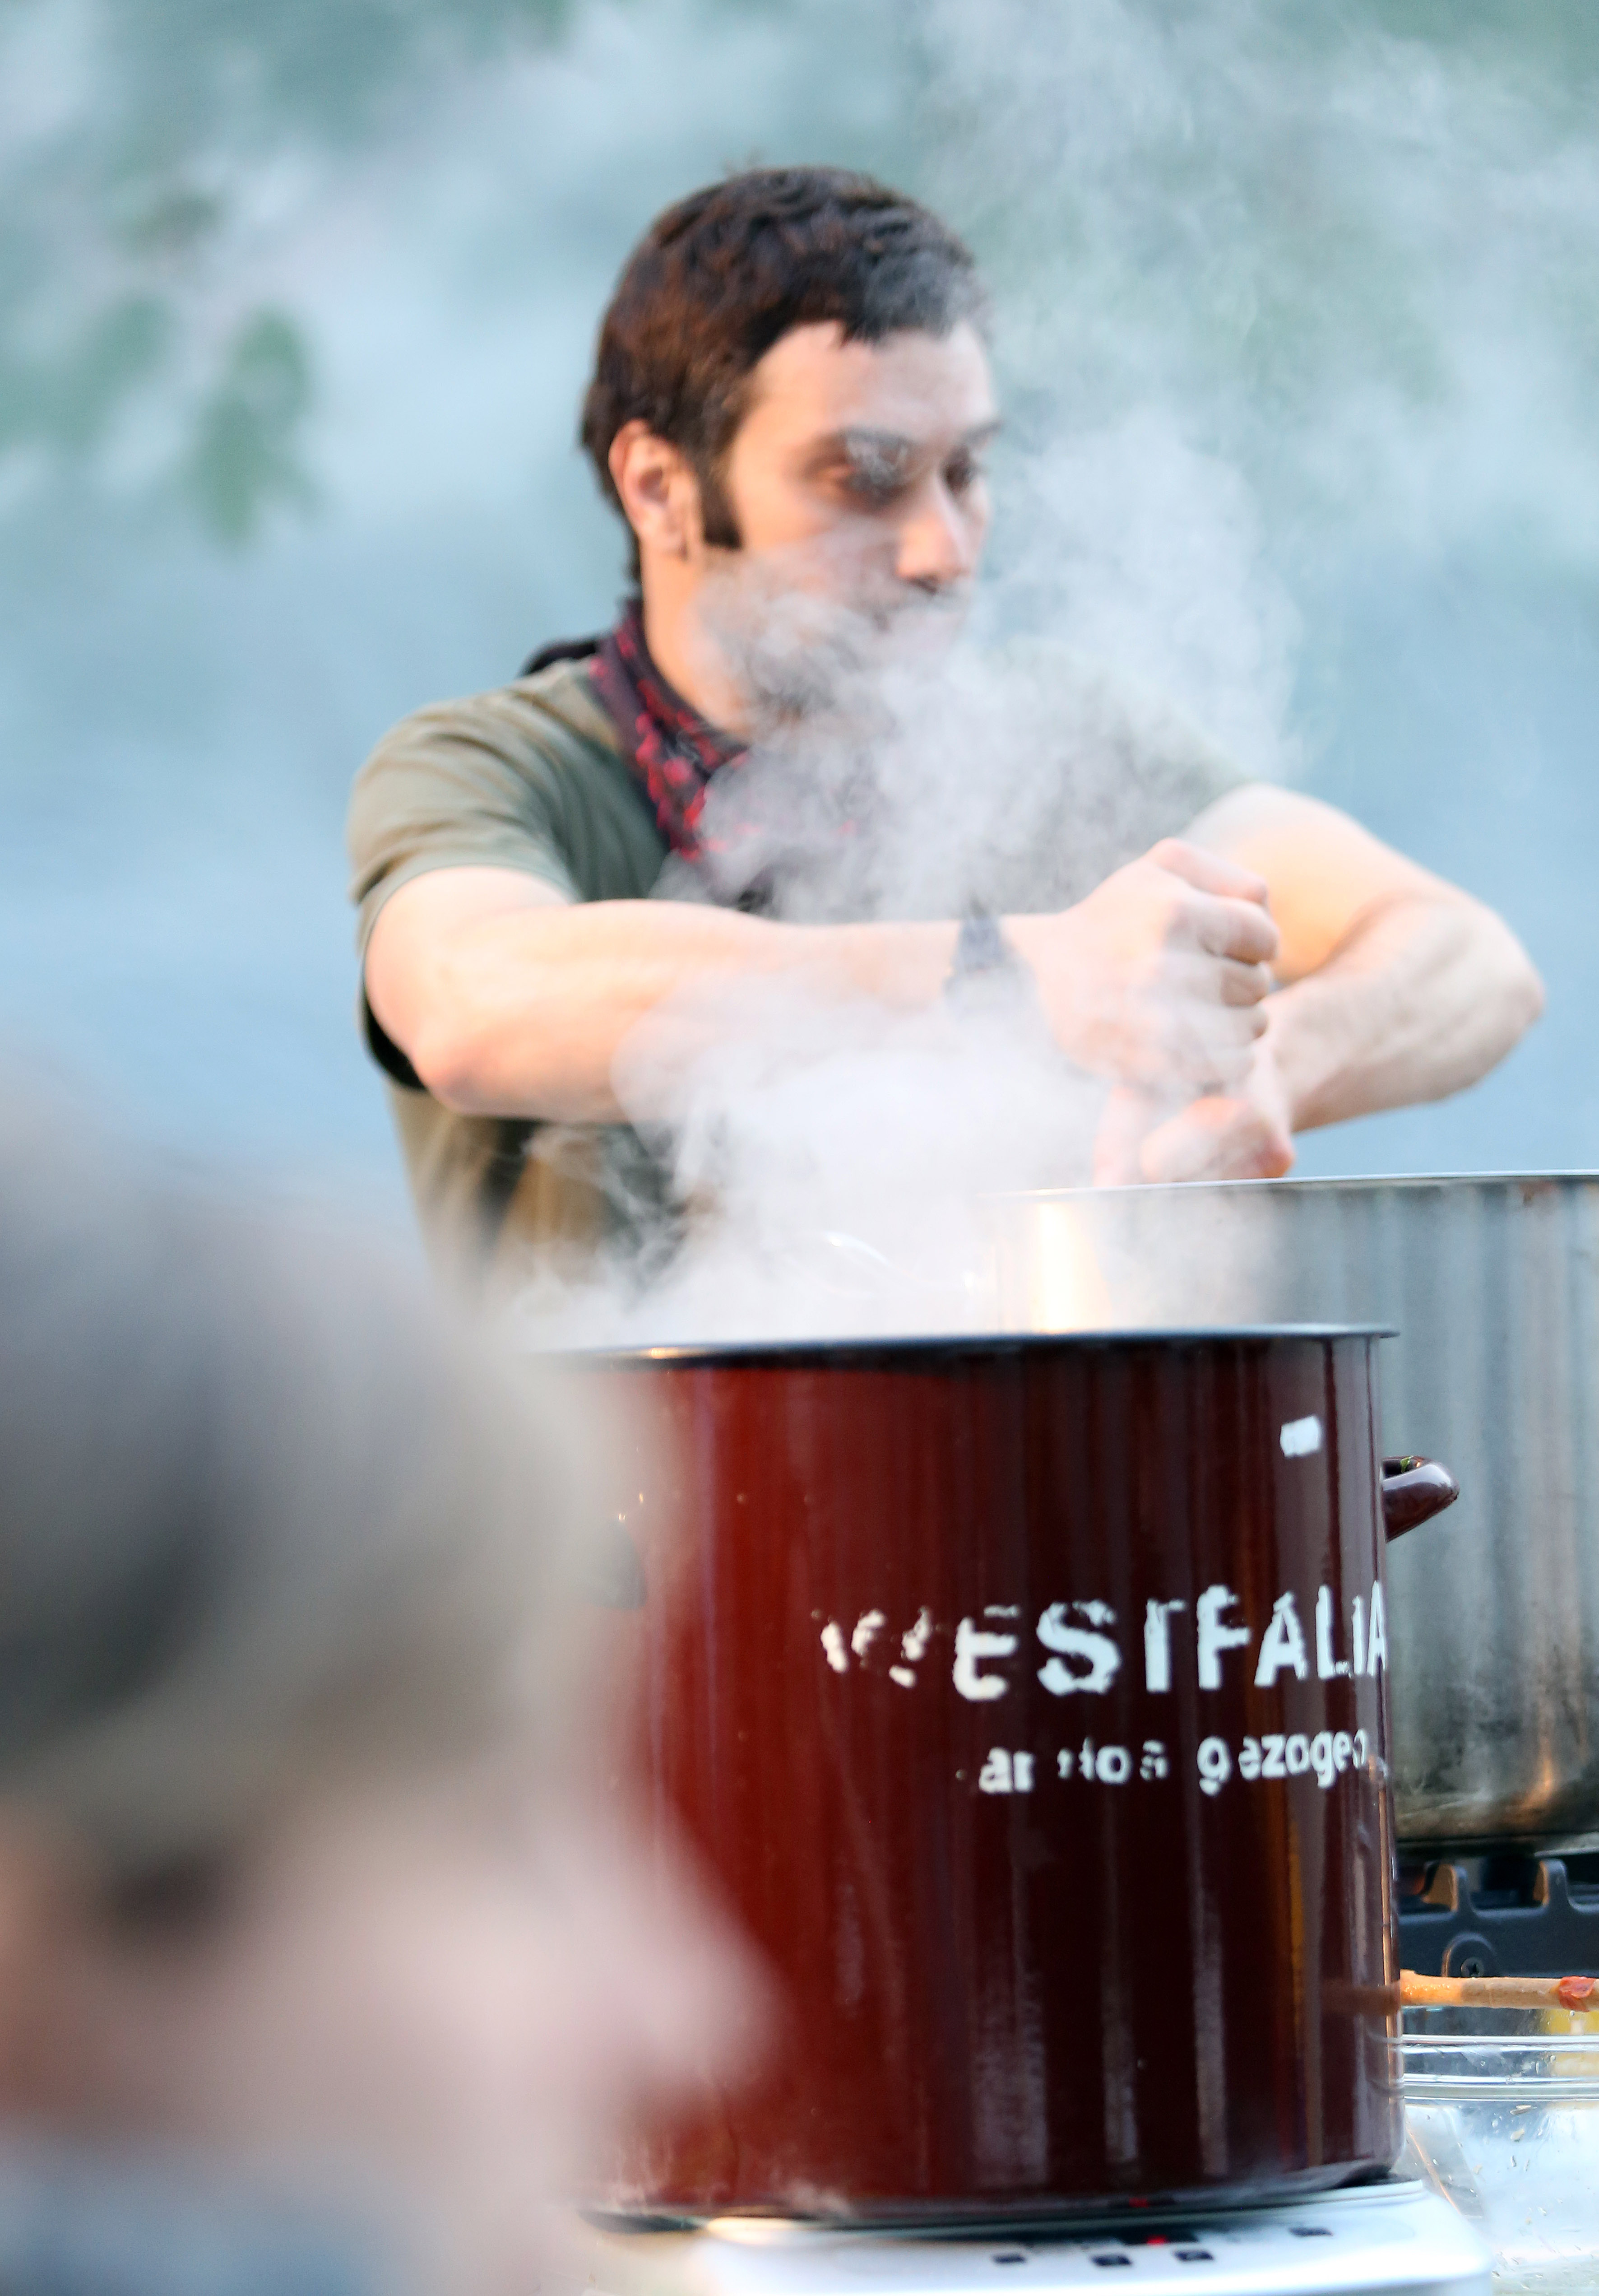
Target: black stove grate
<point x="1505" y="1917"/>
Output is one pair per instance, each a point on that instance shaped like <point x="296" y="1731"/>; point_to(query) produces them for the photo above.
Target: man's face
<point x="867" y="459"/>
<point x="857" y="485"/>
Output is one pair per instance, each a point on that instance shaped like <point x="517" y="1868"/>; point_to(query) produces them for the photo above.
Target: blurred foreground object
<point x="313" y="1976"/>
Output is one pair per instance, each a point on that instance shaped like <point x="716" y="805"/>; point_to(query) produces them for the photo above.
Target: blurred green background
<point x="1298" y="329"/>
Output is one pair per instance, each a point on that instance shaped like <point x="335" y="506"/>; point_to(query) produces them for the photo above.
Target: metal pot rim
<point x="1322" y="1183"/>
<point x="930" y="1348"/>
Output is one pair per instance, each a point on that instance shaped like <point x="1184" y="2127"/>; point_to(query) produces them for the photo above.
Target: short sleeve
<point x="463" y="785"/>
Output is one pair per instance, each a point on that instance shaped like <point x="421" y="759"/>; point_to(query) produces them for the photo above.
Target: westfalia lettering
<point x="1079" y="1648"/>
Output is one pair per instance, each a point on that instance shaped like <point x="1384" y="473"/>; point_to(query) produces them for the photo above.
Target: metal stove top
<point x="1396" y="2236"/>
<point x="1506" y="1917"/>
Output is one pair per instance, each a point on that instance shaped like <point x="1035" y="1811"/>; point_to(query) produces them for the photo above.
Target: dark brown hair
<point x="721" y="276"/>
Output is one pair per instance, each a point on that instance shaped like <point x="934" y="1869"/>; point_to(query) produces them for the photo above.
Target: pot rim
<point x="927" y="1347"/>
<point x="1320" y="1183"/>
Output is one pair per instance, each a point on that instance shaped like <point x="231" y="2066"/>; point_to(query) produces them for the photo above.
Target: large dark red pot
<point x="1028" y="1697"/>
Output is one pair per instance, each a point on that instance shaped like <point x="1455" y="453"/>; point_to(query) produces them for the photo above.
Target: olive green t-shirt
<point x="531" y="776"/>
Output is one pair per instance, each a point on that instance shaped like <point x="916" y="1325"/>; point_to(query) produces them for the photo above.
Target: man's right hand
<point x="1157" y="979"/>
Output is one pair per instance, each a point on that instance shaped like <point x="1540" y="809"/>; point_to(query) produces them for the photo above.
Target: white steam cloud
<point x="1275" y="290"/>
<point x="1149" y="555"/>
<point x="1348" y="251"/>
<point x="833" y="1158"/>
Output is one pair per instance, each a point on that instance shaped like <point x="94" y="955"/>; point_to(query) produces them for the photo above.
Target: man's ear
<point x="660" y="495"/>
<point x="42" y="1899"/>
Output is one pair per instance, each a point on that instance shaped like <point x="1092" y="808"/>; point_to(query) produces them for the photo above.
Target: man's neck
<point x="688" y="659"/>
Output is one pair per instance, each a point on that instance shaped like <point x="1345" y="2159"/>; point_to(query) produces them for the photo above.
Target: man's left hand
<point x="1244" y="1135"/>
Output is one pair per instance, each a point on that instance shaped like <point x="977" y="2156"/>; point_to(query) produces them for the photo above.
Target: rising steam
<point x="1275" y="290"/>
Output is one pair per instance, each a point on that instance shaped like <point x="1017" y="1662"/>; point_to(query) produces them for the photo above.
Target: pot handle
<point x="1413" y="1490"/>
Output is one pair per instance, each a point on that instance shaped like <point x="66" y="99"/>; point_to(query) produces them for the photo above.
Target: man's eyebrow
<point x="858" y="440"/>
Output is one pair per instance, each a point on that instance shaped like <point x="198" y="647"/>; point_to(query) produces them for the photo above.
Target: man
<point x="790" y="408"/>
<point x="315" y="1978"/>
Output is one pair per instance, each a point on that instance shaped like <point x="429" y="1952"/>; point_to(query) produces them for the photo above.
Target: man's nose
<point x="938" y="542"/>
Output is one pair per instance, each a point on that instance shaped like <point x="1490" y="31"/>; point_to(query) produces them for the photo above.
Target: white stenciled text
<point x="1079" y="1648"/>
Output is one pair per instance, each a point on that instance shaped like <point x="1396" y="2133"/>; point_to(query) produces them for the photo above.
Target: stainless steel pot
<point x="1494" y="1286"/>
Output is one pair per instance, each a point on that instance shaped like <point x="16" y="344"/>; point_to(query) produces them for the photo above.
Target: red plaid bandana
<point x="668" y="745"/>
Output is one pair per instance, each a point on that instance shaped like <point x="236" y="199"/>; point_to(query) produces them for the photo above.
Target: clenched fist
<point x="1157" y="979"/>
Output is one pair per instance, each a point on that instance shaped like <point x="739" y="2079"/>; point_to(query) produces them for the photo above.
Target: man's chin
<point x="808" y="655"/>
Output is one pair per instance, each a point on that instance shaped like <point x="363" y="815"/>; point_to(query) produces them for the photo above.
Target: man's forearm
<point x="511" y="1001"/>
<point x="525" y="1013"/>
<point x="1422" y="997"/>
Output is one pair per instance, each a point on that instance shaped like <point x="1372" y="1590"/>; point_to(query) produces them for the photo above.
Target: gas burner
<point x="1513" y="1917"/>
<point x="1399" y="2237"/>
